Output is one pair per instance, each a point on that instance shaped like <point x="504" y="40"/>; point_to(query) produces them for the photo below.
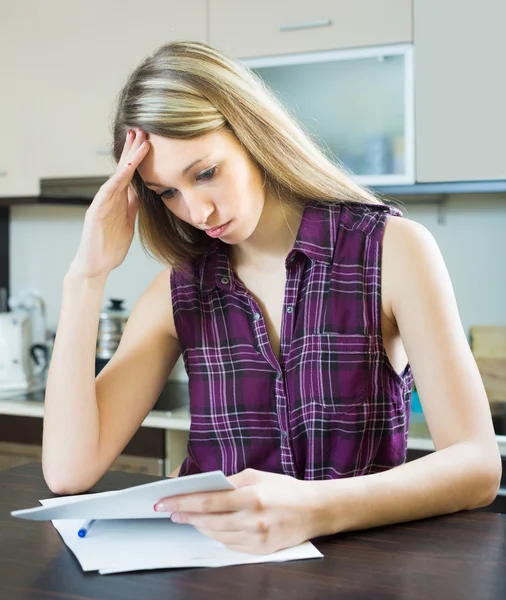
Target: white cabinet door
<point x="358" y="103"/>
<point x="460" y="90"/>
<point x="87" y="51"/>
<point x="264" y="28"/>
<point x="18" y="101"/>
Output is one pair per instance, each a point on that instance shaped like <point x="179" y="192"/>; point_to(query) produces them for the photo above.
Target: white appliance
<point x="16" y="368"/>
<point x="24" y="355"/>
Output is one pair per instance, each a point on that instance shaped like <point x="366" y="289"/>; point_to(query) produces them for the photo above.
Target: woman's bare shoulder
<point x="154" y="307"/>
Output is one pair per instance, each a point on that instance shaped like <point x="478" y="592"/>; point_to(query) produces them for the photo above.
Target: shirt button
<point x="279" y="375"/>
<point x="284" y="434"/>
<point x="289" y="309"/>
<point x="256" y="316"/>
<point x="225" y="280"/>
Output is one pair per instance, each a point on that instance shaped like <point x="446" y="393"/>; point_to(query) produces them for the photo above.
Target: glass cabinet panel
<point x="357" y="103"/>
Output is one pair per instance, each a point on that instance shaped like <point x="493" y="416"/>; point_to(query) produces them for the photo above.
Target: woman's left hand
<point x="267" y="512"/>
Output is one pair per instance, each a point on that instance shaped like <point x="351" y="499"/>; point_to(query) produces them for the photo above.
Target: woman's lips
<point x="217" y="231"/>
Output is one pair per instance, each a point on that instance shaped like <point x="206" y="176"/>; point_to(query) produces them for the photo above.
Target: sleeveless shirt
<point x="332" y="406"/>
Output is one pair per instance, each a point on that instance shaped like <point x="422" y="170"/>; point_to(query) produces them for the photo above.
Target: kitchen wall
<point x="472" y="239"/>
<point x="43" y="242"/>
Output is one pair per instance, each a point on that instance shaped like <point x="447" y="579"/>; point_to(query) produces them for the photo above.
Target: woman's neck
<point x="272" y="239"/>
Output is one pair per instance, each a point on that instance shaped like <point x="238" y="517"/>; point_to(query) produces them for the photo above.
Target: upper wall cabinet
<point x="356" y="103"/>
<point x="86" y="52"/>
<point x="460" y="90"/>
<point x="18" y="101"/>
<point x="265" y="28"/>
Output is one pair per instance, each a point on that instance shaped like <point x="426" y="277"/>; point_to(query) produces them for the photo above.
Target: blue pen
<point x="85" y="528"/>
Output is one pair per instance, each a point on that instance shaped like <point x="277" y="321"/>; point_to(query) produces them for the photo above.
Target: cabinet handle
<point x="306" y="25"/>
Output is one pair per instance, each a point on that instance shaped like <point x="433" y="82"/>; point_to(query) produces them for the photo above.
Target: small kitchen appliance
<point x="24" y="355"/>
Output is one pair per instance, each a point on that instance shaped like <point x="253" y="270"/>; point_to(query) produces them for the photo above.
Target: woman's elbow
<point x="62" y="484"/>
<point x="488" y="481"/>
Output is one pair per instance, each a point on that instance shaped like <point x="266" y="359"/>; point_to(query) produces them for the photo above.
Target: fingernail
<point x="175" y="517"/>
<point x="129" y="132"/>
<point x="159" y="507"/>
<point x="129" y="165"/>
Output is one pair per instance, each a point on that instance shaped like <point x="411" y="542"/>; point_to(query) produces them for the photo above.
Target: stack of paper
<point x="130" y="536"/>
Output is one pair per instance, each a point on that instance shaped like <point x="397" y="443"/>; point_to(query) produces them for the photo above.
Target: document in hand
<point x="131" y="536"/>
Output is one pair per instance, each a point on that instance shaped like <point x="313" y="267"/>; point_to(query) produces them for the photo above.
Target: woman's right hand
<point x="109" y="224"/>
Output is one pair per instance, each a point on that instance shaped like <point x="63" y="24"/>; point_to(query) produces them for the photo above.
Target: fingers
<point x="225" y="537"/>
<point x="133" y="204"/>
<point x="126" y="147"/>
<point x="240" y="541"/>
<point x="210" y="502"/>
<point x="136" y="148"/>
<point x="229" y="538"/>
<point x="134" y="139"/>
<point x="214" y="523"/>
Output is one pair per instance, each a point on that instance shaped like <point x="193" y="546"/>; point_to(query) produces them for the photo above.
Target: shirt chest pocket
<point x="333" y="371"/>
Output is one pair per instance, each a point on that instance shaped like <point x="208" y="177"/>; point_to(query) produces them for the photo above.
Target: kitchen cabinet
<point x="357" y="103"/>
<point x="18" y="101"/>
<point x="265" y="28"/>
<point x="460" y="88"/>
<point x="21" y="442"/>
<point x="13" y="455"/>
<point x="85" y="52"/>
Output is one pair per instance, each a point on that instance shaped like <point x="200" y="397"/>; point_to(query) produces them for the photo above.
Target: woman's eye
<point x="168" y="194"/>
<point x="206" y="175"/>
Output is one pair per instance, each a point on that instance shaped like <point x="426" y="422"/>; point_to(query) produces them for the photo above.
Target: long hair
<point x="187" y="89"/>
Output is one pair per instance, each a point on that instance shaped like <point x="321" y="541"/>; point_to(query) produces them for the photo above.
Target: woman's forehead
<point x="169" y="158"/>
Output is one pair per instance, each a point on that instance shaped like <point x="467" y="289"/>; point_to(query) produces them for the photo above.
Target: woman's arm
<point x="88" y="422"/>
<point x="465" y="470"/>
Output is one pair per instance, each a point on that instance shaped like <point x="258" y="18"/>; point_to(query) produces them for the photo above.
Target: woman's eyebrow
<point x="185" y="170"/>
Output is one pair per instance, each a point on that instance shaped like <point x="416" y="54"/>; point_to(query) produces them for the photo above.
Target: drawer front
<point x="265" y="28"/>
<point x="13" y="455"/>
<point x="137" y="464"/>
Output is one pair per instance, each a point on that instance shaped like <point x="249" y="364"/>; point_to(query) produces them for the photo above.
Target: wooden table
<point x="453" y="557"/>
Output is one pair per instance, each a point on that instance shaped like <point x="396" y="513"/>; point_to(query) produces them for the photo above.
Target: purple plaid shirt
<point x="333" y="406"/>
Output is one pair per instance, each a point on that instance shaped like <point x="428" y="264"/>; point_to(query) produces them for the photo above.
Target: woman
<point x="295" y="297"/>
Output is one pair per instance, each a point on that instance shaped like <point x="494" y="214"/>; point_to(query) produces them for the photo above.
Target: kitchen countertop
<point x="454" y="556"/>
<point x="32" y="405"/>
<point x="178" y="418"/>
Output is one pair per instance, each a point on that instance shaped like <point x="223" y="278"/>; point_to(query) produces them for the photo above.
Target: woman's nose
<point x="200" y="209"/>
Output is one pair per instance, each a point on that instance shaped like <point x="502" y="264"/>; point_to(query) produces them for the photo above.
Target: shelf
<point x="58" y="200"/>
<point x="81" y="193"/>
<point x="443" y="189"/>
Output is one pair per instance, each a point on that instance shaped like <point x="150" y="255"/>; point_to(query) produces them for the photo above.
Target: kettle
<point x="110" y="328"/>
<point x="24" y="351"/>
<point x="19" y="356"/>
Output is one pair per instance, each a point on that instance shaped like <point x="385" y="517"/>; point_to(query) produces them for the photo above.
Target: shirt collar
<point x="316" y="239"/>
<point x="215" y="270"/>
<point x="317" y="233"/>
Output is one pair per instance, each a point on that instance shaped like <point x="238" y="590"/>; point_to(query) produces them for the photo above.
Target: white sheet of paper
<point x="115" y="546"/>
<point x="135" y="502"/>
<point x="129" y="535"/>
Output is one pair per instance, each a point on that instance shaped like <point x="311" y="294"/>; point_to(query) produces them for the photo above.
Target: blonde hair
<point x="187" y="89"/>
